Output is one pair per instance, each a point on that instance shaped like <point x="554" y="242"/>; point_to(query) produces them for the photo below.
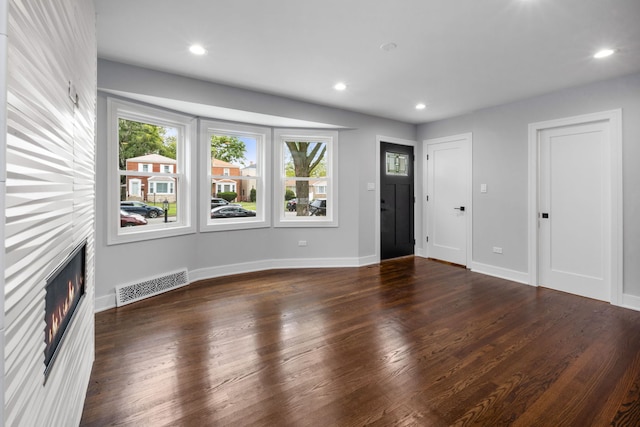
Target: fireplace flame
<point x="58" y="315"/>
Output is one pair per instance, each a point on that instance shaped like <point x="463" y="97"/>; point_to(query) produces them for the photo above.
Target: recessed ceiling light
<point x="421" y="106"/>
<point x="388" y="46"/>
<point x="340" y="86"/>
<point x="604" y="53"/>
<point x="196" y="49"/>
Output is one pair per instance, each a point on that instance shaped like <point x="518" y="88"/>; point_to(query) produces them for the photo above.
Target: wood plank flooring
<point x="407" y="342"/>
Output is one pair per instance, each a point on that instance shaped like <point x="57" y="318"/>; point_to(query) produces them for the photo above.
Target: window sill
<point x="138" y="234"/>
<point x="230" y="225"/>
<point x="311" y="222"/>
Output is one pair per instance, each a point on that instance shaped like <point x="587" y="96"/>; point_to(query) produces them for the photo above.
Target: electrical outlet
<point x="302" y="243"/>
<point x="497" y="250"/>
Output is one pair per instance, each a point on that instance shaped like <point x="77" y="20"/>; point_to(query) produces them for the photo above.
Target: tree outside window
<point x="304" y="160"/>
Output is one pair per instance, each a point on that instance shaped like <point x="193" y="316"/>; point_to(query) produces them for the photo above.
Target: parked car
<point x="231" y="211"/>
<point x="318" y="207"/>
<point x="291" y="204"/>
<point x="130" y="219"/>
<point x="142" y="209"/>
<point x="216" y="201"/>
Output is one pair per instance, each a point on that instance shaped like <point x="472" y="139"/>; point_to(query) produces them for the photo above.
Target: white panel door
<point x="448" y="204"/>
<point x="574" y="215"/>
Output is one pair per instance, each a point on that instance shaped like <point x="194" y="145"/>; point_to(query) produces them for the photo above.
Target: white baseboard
<point x="227" y="270"/>
<point x="490" y="270"/>
<point x="630" y="301"/>
<point x="248" y="267"/>
<point x="503" y="273"/>
<point x="107" y="302"/>
<point x="368" y="260"/>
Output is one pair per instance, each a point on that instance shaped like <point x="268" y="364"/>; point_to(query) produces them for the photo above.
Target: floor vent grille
<point x="126" y="294"/>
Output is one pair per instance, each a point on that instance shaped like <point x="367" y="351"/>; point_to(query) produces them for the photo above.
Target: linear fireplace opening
<point x="64" y="290"/>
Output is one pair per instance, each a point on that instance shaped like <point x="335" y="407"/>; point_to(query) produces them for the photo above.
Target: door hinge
<point x="427" y="239"/>
<point x="427" y="157"/>
<point x="427" y="198"/>
<point x="414" y="242"/>
<point x="414" y="199"/>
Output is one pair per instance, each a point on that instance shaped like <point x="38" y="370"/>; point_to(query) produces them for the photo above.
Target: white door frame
<point x="469" y="211"/>
<point x="614" y="117"/>
<point x="399" y="141"/>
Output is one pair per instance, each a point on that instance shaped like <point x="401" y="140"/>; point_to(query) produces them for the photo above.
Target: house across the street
<point x="150" y="188"/>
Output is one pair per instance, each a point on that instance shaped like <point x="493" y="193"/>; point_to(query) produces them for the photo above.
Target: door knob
<point x="461" y="208"/>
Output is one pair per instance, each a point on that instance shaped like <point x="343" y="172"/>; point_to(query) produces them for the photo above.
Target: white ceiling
<point x="455" y="56"/>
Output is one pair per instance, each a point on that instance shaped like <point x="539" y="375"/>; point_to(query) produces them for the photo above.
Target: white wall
<point x="214" y="253"/>
<point x="50" y="203"/>
<point x="4" y="10"/>
<point x="500" y="161"/>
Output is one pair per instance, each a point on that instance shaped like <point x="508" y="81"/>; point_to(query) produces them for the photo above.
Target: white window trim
<point x="187" y="132"/>
<point x="331" y="139"/>
<point x="262" y="180"/>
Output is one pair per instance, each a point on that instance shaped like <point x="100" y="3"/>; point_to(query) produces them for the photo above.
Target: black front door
<point x="396" y="200"/>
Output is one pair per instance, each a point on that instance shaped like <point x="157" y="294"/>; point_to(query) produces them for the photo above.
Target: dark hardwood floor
<point x="406" y="342"/>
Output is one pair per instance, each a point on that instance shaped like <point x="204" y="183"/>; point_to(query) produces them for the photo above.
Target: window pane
<point x="305" y="159"/>
<point x="397" y="164"/>
<point x="234" y="178"/>
<point x="230" y="212"/>
<point x="146" y="147"/>
<point x="226" y="188"/>
<point x="151" y="205"/>
<point x="231" y="154"/>
<point x="299" y="193"/>
<point x="244" y="204"/>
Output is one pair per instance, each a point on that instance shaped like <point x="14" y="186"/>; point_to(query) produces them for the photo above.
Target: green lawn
<point x="247" y="205"/>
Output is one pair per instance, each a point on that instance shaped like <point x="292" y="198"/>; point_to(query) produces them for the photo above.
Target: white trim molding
<point x="614" y="118"/>
<point x="502" y="273"/>
<point x="630" y="301"/>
